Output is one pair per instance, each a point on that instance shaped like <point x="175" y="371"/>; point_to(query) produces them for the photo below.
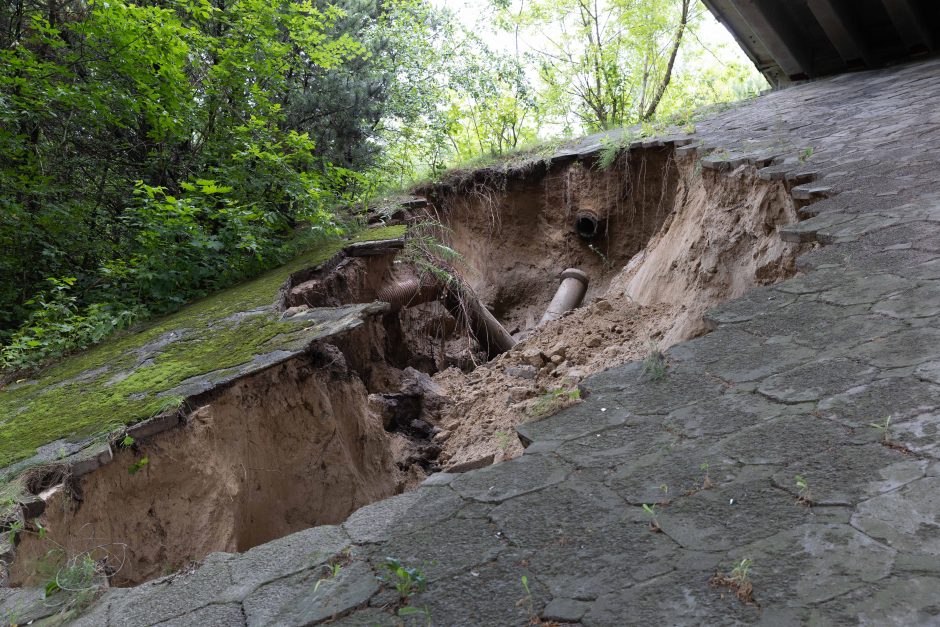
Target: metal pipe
<point x="588" y="223"/>
<point x="574" y="284"/>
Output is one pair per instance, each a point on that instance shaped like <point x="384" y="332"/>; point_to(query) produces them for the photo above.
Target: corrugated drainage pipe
<point x="408" y="293"/>
<point x="574" y="284"/>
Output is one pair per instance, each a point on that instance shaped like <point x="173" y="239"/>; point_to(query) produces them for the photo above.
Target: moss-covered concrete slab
<point x="159" y="365"/>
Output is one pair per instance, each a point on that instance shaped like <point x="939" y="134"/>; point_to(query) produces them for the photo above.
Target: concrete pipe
<point x="574" y="284"/>
<point x="588" y="224"/>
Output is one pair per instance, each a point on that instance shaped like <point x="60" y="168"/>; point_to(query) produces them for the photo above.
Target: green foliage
<point x="409" y="611"/>
<point x="741" y="573"/>
<point x="805" y="496"/>
<point x="335" y="570"/>
<point x="151" y="154"/>
<point x="425" y="250"/>
<point x="503" y="440"/>
<point x="58" y="325"/>
<point x="138" y="465"/>
<point x="406" y="581"/>
<point x="653" y="516"/>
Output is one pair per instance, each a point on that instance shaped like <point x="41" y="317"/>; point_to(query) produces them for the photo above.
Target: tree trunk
<point x="658" y="95"/>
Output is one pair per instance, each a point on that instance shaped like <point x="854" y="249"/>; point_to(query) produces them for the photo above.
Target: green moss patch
<point x="142" y="372"/>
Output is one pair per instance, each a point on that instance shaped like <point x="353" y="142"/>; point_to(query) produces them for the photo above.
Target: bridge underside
<point x="791" y="40"/>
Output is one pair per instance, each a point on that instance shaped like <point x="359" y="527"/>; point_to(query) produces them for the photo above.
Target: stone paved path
<point x="787" y="385"/>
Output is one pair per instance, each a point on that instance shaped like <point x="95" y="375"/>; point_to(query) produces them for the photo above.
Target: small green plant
<point x="650" y="511"/>
<point x="806" y="154"/>
<point x="335" y="569"/>
<point x="72" y="582"/>
<point x="426" y="251"/>
<point x="742" y="571"/>
<point x="597" y="251"/>
<point x="884" y="428"/>
<point x="553" y="401"/>
<point x="13" y="530"/>
<point x="406" y="581"/>
<point x="127" y="441"/>
<point x="527" y="603"/>
<point x="804" y="496"/>
<point x="655" y="366"/>
<point x="171" y="403"/>
<point x="739" y="581"/>
<point x="613" y="148"/>
<point x="137" y="466"/>
<point x="410" y="610"/>
<point x="503" y="440"/>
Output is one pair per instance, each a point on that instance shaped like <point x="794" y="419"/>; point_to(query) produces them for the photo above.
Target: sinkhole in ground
<point x="370" y="413"/>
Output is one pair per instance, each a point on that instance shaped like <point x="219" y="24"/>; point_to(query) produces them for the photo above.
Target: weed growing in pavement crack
<point x="739" y="582"/>
<point x="654" y="518"/>
<point x="335" y="569"/>
<point x="806" y="154"/>
<point x="884" y="428"/>
<point x="335" y="566"/>
<point x="706" y="479"/>
<point x="527" y="603"/>
<point x="406" y="581"/>
<point x="655" y="365"/>
<point x="409" y="610"/>
<point x="553" y="401"/>
<point x="805" y="496"/>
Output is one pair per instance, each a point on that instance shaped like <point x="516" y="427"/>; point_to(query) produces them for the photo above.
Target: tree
<point x="145" y="154"/>
<point x="492" y="107"/>
<point x="611" y="61"/>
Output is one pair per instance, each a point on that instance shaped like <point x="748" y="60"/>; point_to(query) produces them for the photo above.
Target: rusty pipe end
<point x="587" y="224"/>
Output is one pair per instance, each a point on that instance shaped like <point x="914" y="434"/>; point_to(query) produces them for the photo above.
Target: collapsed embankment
<point x="673" y="240"/>
<point x="357" y="418"/>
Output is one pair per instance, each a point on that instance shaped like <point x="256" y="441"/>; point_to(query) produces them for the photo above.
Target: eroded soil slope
<point x="677" y="240"/>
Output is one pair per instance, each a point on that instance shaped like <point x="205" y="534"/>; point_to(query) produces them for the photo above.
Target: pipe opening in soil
<point x="587" y="226"/>
<point x="372" y="412"/>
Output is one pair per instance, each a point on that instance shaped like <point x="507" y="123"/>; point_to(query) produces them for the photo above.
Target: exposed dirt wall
<point x="680" y="240"/>
<point x="284" y="450"/>
<point x="516" y="236"/>
<point x="720" y="240"/>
